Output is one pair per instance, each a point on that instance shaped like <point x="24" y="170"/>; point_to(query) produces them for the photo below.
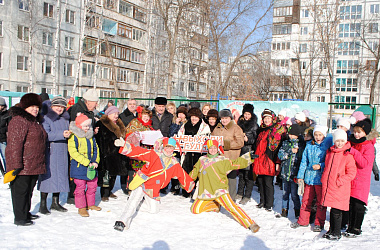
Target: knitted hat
<point x="306" y="112"/>
<point x="213" y="113"/>
<point x="111" y="110"/>
<point x="59" y="101"/>
<point x="30" y="99"/>
<point x="91" y="95"/>
<point x="300" y="116"/>
<point x="2" y="102"/>
<point x="171" y="142"/>
<point x="295" y="129"/>
<point x="267" y="112"/>
<point x="195" y="112"/>
<point x="345" y="122"/>
<point x="225" y="113"/>
<point x="160" y="101"/>
<point x="365" y="124"/>
<point x="81" y="119"/>
<point x="182" y="110"/>
<point x="320" y="128"/>
<point x="340" y="134"/>
<point x="358" y="115"/>
<point x="288" y="121"/>
<point x="210" y="143"/>
<point x="248" y="108"/>
<point x="195" y="105"/>
<point x="282" y="112"/>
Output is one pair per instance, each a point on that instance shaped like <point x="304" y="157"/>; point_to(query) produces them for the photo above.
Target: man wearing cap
<point x="4" y="121"/>
<point x="161" y="118"/>
<point x="156" y="174"/>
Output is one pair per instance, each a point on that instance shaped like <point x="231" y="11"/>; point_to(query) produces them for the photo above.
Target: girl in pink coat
<point x="362" y="141"/>
<point x="336" y="179"/>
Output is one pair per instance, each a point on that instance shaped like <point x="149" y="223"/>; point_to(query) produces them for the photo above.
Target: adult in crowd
<point x="248" y="123"/>
<point x="4" y="121"/>
<point x="268" y="143"/>
<point x="195" y="126"/>
<point x="205" y="109"/>
<point x="56" y="178"/>
<point x="194" y="105"/>
<point x="111" y="162"/>
<point x="172" y="109"/>
<point x="25" y="154"/>
<point x="130" y="112"/>
<point x="212" y="119"/>
<point x="180" y="120"/>
<point x="86" y="106"/>
<point x="233" y="141"/>
<point x="300" y="119"/>
<point x="161" y="118"/>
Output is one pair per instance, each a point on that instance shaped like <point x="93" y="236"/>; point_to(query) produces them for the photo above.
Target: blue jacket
<point x="314" y="154"/>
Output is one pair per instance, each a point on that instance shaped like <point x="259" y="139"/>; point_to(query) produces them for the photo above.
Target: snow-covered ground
<point x="174" y="227"/>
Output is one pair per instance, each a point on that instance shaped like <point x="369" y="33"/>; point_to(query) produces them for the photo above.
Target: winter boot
<point x="55" y="204"/>
<point x="297" y="213"/>
<point x="239" y="197"/>
<point x="96" y="208"/>
<point x="244" y="201"/>
<point x="43" y="207"/>
<point x="284" y="212"/>
<point x="83" y="212"/>
<point x="254" y="228"/>
<point x="113" y="196"/>
<point x="119" y="226"/>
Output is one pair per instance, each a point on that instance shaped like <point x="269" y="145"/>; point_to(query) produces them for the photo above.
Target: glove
<point x="11" y="175"/>
<point x="376" y="177"/>
<point x="119" y="142"/>
<point x="253" y="155"/>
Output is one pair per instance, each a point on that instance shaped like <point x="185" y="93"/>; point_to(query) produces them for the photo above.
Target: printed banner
<point x="195" y="143"/>
<point x="318" y="111"/>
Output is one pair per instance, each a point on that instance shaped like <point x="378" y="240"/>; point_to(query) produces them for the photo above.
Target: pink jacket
<point x="364" y="155"/>
<point x="340" y="170"/>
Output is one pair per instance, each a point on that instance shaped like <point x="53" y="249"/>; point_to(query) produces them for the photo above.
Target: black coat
<point x="4" y="121"/>
<point x="164" y="124"/>
<point x="127" y="116"/>
<point x="110" y="159"/>
<point x="191" y="157"/>
<point x="80" y="107"/>
<point x="250" y="130"/>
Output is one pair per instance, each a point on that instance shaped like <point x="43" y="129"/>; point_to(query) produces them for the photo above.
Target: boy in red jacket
<point x="161" y="166"/>
<point x="340" y="170"/>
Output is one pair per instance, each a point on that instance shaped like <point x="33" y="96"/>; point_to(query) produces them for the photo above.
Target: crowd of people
<point x="75" y="149"/>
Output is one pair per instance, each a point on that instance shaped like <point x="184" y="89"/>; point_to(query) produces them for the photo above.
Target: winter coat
<point x="190" y="158"/>
<point x="164" y="124"/>
<point x="156" y="162"/>
<point x="233" y="139"/>
<point x="290" y="162"/>
<point x="364" y="155"/>
<point x="26" y="143"/>
<point x="137" y="125"/>
<point x="336" y="179"/>
<point x="174" y="128"/>
<point x="127" y="116"/>
<point x="249" y="129"/>
<point x="56" y="178"/>
<point x="4" y="121"/>
<point x="110" y="159"/>
<point x="80" y="107"/>
<point x="83" y="151"/>
<point x="314" y="154"/>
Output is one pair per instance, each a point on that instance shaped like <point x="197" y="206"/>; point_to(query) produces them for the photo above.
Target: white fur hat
<point x="282" y="112"/>
<point x="345" y="122"/>
<point x="320" y="128"/>
<point x="340" y="134"/>
<point x="300" y="116"/>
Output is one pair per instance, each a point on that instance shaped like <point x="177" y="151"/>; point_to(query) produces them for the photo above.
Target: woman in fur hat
<point x="212" y="119"/>
<point x="111" y="163"/>
<point x="25" y="155"/>
<point x="248" y="123"/>
<point x="179" y="120"/>
<point x="196" y="126"/>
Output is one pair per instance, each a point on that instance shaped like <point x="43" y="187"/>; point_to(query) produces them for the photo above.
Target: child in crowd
<point x="290" y="155"/>
<point x="362" y="140"/>
<point x="84" y="154"/>
<point x="310" y="172"/>
<point x="340" y="170"/>
<point x="211" y="170"/>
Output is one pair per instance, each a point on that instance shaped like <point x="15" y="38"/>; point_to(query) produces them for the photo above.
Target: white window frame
<point x="50" y="10"/>
<point x="304" y="13"/>
<point x="68" y="69"/>
<point x="45" y="38"/>
<point x="70" y="16"/>
<point x="303" y="48"/>
<point x="374" y="9"/>
<point x="304" y="31"/>
<point x="90" y="69"/>
<point x="123" y="75"/>
<point x="24" y="33"/>
<point x="23" y="5"/>
<point x="1" y="60"/>
<point x="136" y="56"/>
<point x="23" y="61"/>
<point x="1" y="28"/>
<point x="47" y="67"/>
<point x="69" y="43"/>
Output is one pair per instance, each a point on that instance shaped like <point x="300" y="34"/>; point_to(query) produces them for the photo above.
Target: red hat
<point x="80" y="119"/>
<point x="171" y="142"/>
<point x="210" y="143"/>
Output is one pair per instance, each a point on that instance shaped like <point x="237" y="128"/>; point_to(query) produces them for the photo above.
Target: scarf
<point x="146" y="124"/>
<point x="357" y="143"/>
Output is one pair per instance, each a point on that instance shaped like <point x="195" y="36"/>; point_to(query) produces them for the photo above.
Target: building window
<point x="347" y="66"/>
<point x="374" y="9"/>
<point x="125" y="9"/>
<point x="69" y="43"/>
<point x="23" y="33"/>
<point x="22" y="89"/>
<point x="191" y="86"/>
<point x="139" y="15"/>
<point x="106" y="73"/>
<point x="136" y="56"/>
<point x="48" y="10"/>
<point x="123" y="75"/>
<point x="351" y="12"/>
<point x="349" y="30"/>
<point x="136" y="77"/>
<point x="305" y="13"/>
<point x="89" y="47"/>
<point x="46" y="67"/>
<point x="321" y="99"/>
<point x="373" y="46"/>
<point x="110" y="4"/>
<point x="70" y="16"/>
<point x="1" y="1"/>
<point x="22" y="63"/>
<point x="370" y="65"/>
<point x="67" y="69"/>
<point x="124" y="31"/>
<point x="347" y="84"/>
<point x="92" y="21"/>
<point x="23" y="5"/>
<point x="47" y="38"/>
<point x="138" y="35"/>
<point x="304" y="31"/>
<point x="123" y="53"/>
<point x="303" y="47"/>
<point x="322" y="65"/>
<point x="87" y="69"/>
<point x="1" y="28"/>
<point x="368" y="84"/>
<point x="1" y="60"/>
<point x="282" y="29"/>
<point x="349" y="48"/>
<point x="322" y="83"/>
<point x="109" y="27"/>
<point x="373" y="28"/>
<point x="283" y="11"/>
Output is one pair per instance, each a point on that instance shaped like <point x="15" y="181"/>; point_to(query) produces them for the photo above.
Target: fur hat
<point x="59" y="101"/>
<point x="345" y="122"/>
<point x="80" y="119"/>
<point x="340" y="134"/>
<point x="359" y="116"/>
<point x="268" y="112"/>
<point x="295" y="129"/>
<point x="320" y="128"/>
<point x="2" y="102"/>
<point x="30" y="99"/>
<point x="111" y="110"/>
<point x="91" y="95"/>
<point x="225" y="113"/>
<point x="365" y="124"/>
<point x="182" y="110"/>
<point x="248" y="108"/>
<point x="300" y="116"/>
<point x="195" y="112"/>
<point x="213" y="113"/>
<point x="195" y="105"/>
<point x="160" y="101"/>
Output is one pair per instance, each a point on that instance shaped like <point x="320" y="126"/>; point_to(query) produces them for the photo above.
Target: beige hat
<point x="91" y="95"/>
